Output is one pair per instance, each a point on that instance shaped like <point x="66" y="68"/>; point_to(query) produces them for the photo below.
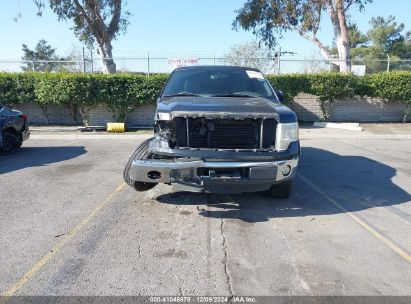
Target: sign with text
<point x="174" y="63"/>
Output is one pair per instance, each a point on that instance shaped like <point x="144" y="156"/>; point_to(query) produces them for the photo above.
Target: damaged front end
<point x="225" y="154"/>
<point x="218" y="134"/>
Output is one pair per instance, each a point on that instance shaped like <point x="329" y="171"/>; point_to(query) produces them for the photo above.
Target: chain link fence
<point x="165" y="64"/>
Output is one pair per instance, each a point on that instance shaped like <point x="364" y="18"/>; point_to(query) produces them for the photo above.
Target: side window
<point x="268" y="89"/>
<point x="261" y="87"/>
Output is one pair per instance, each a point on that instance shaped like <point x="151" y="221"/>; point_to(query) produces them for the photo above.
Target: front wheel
<point x="282" y="190"/>
<point x="140" y="153"/>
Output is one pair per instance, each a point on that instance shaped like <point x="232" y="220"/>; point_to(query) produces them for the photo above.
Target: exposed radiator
<point x="246" y="134"/>
<point x="224" y="134"/>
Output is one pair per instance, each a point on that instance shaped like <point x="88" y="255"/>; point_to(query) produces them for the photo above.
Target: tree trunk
<point x="85" y="114"/>
<point x="343" y="52"/>
<point x="45" y="109"/>
<point x="106" y="54"/>
<point x="341" y="38"/>
<point x="73" y="111"/>
<point x="407" y="111"/>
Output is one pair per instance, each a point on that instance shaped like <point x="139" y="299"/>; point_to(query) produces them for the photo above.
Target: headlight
<point x="286" y="133"/>
<point x="163" y="116"/>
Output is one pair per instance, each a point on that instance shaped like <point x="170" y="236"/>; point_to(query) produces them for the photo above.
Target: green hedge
<point x="80" y="92"/>
<point x="394" y="86"/>
<point x="124" y="92"/>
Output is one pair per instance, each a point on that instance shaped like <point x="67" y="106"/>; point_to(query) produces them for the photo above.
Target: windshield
<point x="218" y="82"/>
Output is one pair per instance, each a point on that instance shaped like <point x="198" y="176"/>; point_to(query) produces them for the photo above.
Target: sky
<point x="167" y="27"/>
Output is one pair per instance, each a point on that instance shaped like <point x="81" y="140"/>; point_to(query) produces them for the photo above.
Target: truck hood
<point x="225" y="107"/>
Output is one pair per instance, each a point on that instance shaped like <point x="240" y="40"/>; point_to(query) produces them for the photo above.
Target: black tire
<point x="282" y="190"/>
<point x="11" y="143"/>
<point x="140" y="153"/>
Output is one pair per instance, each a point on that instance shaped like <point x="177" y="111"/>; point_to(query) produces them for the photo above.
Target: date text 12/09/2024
<point x="203" y="299"/>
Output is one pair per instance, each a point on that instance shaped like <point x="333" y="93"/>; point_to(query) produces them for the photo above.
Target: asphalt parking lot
<point x="69" y="226"/>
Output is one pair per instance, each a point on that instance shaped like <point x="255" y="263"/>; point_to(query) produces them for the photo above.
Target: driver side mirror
<point x="280" y="95"/>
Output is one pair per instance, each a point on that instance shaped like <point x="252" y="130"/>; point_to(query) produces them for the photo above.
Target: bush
<point x="290" y="84"/>
<point x="75" y="91"/>
<point x="123" y="93"/>
<point x="393" y="86"/>
<point x="116" y="91"/>
<point x="152" y="88"/>
<point x="17" y="88"/>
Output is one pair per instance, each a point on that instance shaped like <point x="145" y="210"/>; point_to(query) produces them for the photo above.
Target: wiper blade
<point x="233" y="95"/>
<point x="182" y="94"/>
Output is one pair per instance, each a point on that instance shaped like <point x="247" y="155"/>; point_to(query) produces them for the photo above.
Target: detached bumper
<point x="214" y="176"/>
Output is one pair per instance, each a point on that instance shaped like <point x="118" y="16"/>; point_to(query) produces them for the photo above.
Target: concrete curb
<point x="352" y="126"/>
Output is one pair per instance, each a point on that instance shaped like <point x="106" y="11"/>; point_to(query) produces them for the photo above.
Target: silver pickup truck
<point x="219" y="129"/>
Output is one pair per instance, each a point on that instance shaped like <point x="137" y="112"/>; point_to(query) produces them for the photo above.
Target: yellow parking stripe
<point x="56" y="249"/>
<point x="375" y="233"/>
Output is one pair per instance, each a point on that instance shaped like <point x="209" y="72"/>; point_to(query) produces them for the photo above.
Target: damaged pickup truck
<point x="219" y="129"/>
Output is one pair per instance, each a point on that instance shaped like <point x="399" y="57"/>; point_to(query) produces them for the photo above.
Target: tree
<point x="35" y="60"/>
<point x="385" y="33"/>
<point x="269" y="19"/>
<point x="250" y="54"/>
<point x="385" y="39"/>
<point x="355" y="37"/>
<point x="96" y="22"/>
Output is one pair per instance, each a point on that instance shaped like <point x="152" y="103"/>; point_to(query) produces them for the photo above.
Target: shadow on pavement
<point x="355" y="182"/>
<point x="38" y="156"/>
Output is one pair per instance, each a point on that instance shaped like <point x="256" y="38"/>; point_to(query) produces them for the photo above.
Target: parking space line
<point x="57" y="248"/>
<point x="364" y="225"/>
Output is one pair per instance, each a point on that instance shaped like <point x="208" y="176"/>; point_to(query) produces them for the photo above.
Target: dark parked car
<point x="219" y="129"/>
<point x="14" y="129"/>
